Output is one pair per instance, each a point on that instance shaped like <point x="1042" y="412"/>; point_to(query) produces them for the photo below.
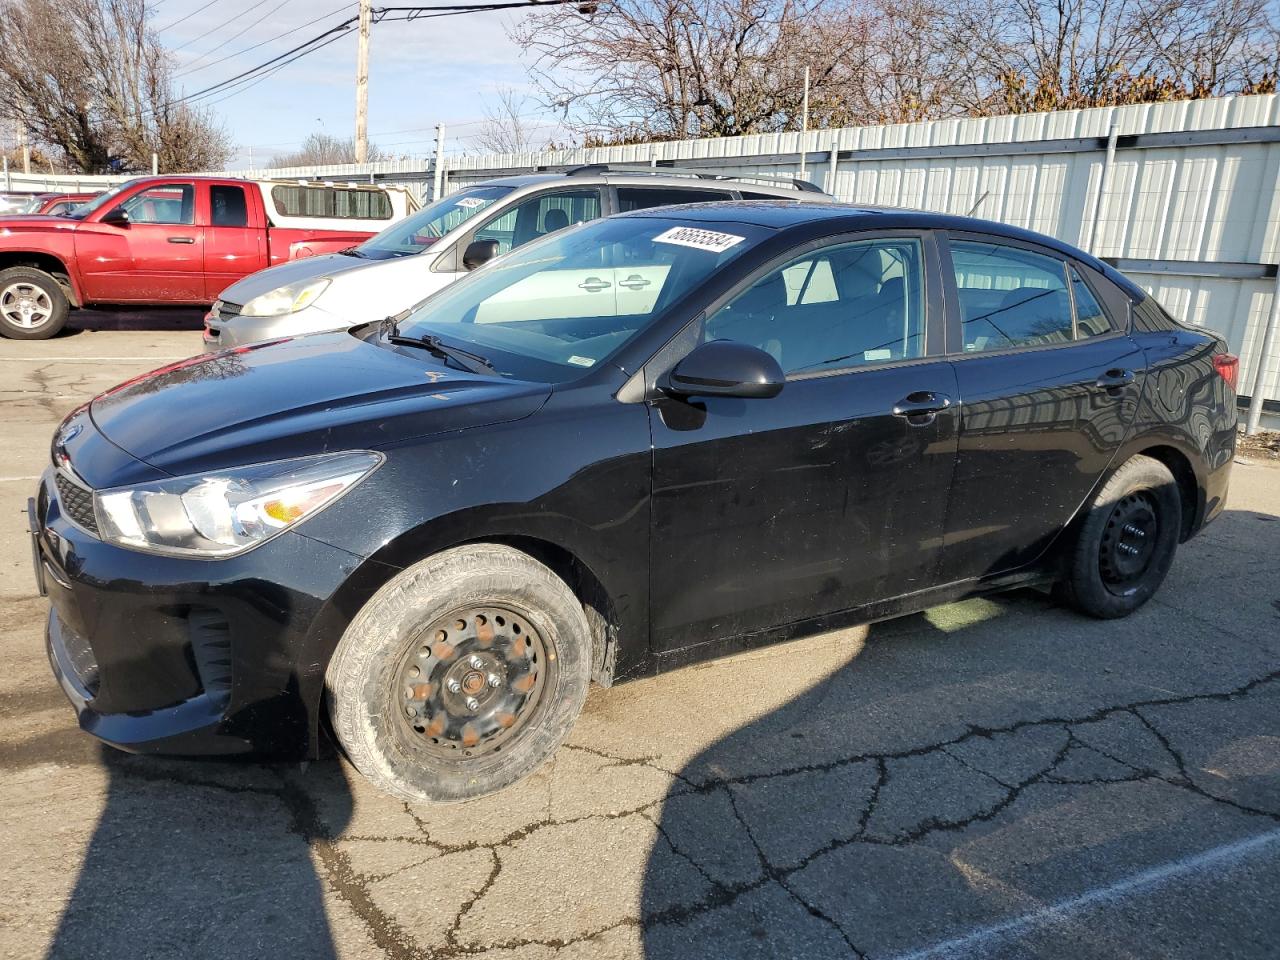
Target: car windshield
<point x="98" y="202"/>
<point x="554" y="308"/>
<point x="415" y="234"/>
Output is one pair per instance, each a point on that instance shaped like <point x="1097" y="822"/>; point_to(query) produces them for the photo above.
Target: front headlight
<point x="290" y="298"/>
<point x="223" y="513"/>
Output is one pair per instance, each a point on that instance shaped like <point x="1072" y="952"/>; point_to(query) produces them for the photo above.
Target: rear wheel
<point x="461" y="675"/>
<point x="1127" y="541"/>
<point x="32" y="304"/>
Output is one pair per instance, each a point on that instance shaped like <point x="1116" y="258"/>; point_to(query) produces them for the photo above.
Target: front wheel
<point x="461" y="675"/>
<point x="1127" y="541"/>
<point x="33" y="305"/>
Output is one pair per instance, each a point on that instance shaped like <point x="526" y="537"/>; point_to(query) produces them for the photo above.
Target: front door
<point x="1050" y="384"/>
<point x="156" y="257"/>
<point x="831" y="494"/>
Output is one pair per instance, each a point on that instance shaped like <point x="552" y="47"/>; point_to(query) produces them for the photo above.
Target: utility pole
<point x="362" y="83"/>
<point x="438" y="186"/>
<point x="804" y="122"/>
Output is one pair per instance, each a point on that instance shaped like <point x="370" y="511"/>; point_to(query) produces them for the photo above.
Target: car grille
<point x="77" y="501"/>
<point x="224" y="309"/>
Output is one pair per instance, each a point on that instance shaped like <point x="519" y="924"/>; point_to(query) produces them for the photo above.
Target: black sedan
<point x="632" y="445"/>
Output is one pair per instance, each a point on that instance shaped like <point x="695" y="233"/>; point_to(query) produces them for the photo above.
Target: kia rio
<point x="635" y="444"/>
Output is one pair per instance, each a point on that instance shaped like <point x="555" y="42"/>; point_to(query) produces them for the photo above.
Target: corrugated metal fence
<point x="1185" y="197"/>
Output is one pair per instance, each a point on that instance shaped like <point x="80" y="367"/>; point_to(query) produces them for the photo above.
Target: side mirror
<point x="479" y="252"/>
<point x="118" y="216"/>
<point x="724" y="368"/>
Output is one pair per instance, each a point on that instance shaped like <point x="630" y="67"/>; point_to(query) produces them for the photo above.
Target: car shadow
<point x="132" y="318"/>
<point x="955" y="771"/>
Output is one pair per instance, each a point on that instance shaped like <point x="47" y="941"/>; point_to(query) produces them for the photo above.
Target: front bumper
<point x="224" y="330"/>
<point x="178" y="656"/>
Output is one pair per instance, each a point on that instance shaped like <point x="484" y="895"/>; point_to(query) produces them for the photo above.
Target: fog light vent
<point x="211" y="647"/>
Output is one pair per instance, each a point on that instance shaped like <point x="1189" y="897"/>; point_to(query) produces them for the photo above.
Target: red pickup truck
<point x="173" y="241"/>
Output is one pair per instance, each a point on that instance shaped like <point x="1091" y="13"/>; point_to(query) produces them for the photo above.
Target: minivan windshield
<point x="416" y="233"/>
<point x="554" y="308"/>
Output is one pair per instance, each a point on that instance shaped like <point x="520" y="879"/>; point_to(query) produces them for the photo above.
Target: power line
<point x="187" y="17"/>
<point x="228" y="22"/>
<point x="322" y="40"/>
<point x="261" y="43"/>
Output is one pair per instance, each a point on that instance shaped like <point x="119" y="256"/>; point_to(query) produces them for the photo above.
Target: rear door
<point x="1049" y="383"/>
<point x="235" y="236"/>
<point x="832" y="494"/>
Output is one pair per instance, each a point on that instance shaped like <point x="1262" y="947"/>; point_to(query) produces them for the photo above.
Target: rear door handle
<point x="634" y="282"/>
<point x="921" y="407"/>
<point x="1114" y="380"/>
<point x="182" y="239"/>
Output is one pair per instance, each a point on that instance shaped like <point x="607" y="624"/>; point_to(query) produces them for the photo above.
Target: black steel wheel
<point x="1126" y="541"/>
<point x="472" y="682"/>
<point x="461" y="675"/>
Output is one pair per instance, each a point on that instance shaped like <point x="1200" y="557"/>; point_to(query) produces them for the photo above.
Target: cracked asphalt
<point x="997" y="778"/>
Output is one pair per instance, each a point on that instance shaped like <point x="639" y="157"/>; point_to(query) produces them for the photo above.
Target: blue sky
<point x="444" y="69"/>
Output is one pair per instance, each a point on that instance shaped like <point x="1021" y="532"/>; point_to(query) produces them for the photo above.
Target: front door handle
<point x="594" y="285"/>
<point x="1115" y="380"/>
<point x="921" y="407"/>
<point x="182" y="239"/>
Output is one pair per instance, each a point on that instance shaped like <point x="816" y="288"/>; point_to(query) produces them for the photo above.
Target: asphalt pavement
<point x="998" y="778"/>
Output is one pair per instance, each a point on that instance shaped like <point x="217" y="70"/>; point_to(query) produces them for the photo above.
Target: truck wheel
<point x="1127" y="542"/>
<point x="32" y="304"/>
<point x="461" y="675"/>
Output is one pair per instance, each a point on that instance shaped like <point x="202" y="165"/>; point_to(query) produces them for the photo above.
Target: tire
<point x="32" y="304"/>
<point x="1127" y="541"/>
<point x="502" y="629"/>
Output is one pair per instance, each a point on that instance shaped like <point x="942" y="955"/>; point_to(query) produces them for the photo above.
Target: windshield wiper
<point x="352" y="252"/>
<point x="473" y="362"/>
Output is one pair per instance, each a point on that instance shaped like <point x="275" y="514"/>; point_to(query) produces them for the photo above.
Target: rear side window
<point x="641" y="198"/>
<point x="227" y="206"/>
<point x="335" y="203"/>
<point x="1091" y="321"/>
<point x="748" y="195"/>
<point x="1010" y="297"/>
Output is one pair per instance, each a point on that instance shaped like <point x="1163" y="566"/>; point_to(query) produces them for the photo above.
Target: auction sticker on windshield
<point x="469" y="202"/>
<point x="699" y="239"/>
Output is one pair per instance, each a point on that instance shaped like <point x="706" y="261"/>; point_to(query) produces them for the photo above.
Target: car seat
<point x="553" y="220"/>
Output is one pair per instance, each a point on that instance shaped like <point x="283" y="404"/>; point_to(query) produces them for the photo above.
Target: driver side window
<point x="846" y="305"/>
<point x="538" y="216"/>
<point x="164" y="203"/>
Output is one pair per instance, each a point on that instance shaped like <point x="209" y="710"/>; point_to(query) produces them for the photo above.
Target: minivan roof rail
<point x="587" y="169"/>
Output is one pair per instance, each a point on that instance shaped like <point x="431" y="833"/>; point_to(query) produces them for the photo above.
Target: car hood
<point x="295" y="271"/>
<point x="33" y="222"/>
<point x="290" y="398"/>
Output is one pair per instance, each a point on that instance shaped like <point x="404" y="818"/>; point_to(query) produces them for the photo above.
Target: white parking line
<point x="984" y="937"/>
<point x="13" y="479"/>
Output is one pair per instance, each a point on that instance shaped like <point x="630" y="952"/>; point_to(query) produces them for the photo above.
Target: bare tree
<point x="320" y="149"/>
<point x="507" y="128"/>
<point x="93" y="85"/>
<point x="680" y="68"/>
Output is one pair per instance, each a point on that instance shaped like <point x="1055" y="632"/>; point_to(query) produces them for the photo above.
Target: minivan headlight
<point x="290" y="298"/>
<point x="223" y="513"/>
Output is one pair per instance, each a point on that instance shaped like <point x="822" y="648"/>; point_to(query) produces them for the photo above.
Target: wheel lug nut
<point x="473" y="703"/>
<point x="476" y="663"/>
<point x="494" y="680"/>
<point x="454" y="686"/>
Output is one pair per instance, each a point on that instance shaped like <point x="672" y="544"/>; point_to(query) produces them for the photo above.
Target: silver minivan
<point x="416" y="256"/>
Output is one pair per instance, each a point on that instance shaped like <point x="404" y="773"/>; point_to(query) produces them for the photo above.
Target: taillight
<point x="1228" y="367"/>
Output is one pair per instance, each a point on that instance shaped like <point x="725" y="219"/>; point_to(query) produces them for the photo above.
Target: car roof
<point x="782" y="187"/>
<point x="784" y="214"/>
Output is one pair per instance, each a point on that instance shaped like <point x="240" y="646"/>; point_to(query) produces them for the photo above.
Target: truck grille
<point x="77" y="501"/>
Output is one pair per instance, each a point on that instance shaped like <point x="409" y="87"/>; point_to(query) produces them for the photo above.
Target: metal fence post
<point x="1260" y="375"/>
<point x="835" y="162"/>
<point x="1104" y="180"/>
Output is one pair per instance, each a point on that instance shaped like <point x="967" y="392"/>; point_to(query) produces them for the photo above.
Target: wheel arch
<point x="565" y="555"/>
<point x="1190" y="489"/>
<point x="46" y="262"/>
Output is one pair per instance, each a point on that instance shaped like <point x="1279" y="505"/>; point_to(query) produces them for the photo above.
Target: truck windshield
<point x="98" y="202"/>
<point x="415" y="234"/>
<point x="554" y="308"/>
